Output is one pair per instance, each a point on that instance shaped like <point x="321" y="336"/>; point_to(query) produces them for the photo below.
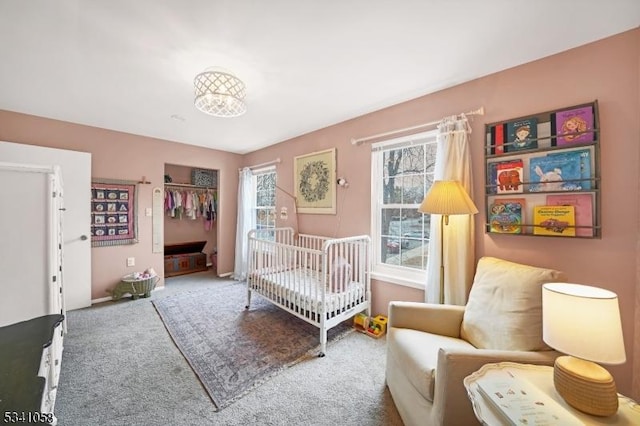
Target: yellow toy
<point x="374" y="327"/>
<point x="377" y="326"/>
<point x="361" y="322"/>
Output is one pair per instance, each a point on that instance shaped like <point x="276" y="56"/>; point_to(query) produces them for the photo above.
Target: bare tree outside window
<point x="407" y="176"/>
<point x="265" y="208"/>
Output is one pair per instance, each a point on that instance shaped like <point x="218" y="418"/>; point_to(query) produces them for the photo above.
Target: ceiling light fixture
<point x="219" y="93"/>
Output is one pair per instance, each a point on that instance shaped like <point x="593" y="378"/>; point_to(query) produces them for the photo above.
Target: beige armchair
<point x="432" y="348"/>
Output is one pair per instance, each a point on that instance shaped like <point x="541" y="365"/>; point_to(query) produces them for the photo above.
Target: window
<point x="402" y="173"/>
<point x="264" y="181"/>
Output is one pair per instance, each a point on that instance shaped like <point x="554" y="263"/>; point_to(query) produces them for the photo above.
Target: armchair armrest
<point x="444" y="320"/>
<point x="456" y="364"/>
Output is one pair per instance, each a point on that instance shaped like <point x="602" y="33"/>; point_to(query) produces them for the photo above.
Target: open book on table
<point x="521" y="403"/>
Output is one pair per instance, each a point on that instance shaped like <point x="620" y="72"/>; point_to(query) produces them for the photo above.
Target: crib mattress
<point x="303" y="288"/>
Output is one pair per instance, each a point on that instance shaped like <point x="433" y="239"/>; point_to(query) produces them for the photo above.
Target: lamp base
<point x="585" y="386"/>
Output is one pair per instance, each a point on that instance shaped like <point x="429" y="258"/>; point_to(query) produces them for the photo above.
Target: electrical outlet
<point x="131" y="261"/>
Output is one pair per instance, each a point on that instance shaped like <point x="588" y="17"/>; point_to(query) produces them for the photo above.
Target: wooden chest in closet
<point x="184" y="258"/>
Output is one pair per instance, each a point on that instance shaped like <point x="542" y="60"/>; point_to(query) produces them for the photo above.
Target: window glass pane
<point x="412" y="188"/>
<point x="390" y="224"/>
<point x="261" y="218"/>
<point x="265" y="199"/>
<point x="413" y="160"/>
<point x="392" y="162"/>
<point x="414" y="255"/>
<point x="430" y="157"/>
<point x="271" y="218"/>
<point x="392" y="192"/>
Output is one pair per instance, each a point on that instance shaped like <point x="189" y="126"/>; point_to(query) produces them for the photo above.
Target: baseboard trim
<point x="227" y="274"/>
<point x="102" y="299"/>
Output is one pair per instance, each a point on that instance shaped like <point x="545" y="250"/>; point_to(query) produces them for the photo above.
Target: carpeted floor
<point x="231" y="349"/>
<point x="120" y="367"/>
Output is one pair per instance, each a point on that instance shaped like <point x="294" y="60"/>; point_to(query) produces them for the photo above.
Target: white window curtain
<point x="453" y="162"/>
<point x="245" y="223"/>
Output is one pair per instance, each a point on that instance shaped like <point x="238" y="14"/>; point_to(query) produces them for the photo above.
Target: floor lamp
<point x="446" y="197"/>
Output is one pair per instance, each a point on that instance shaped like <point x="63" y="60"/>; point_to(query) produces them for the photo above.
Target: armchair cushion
<point x="417" y="351"/>
<point x="504" y="310"/>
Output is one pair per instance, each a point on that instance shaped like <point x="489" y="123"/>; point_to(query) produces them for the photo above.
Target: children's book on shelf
<point x="573" y="126"/>
<point x="509" y="177"/>
<point x="583" y="207"/>
<point x="497" y="139"/>
<point x="561" y="171"/>
<point x="506" y="215"/>
<point x="522" y="134"/>
<point x="492" y="176"/>
<point x="554" y="220"/>
<point x="520" y="402"/>
<point x="585" y="165"/>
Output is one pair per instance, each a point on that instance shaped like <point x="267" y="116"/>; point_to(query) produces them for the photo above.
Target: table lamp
<point x="584" y="323"/>
<point x="446" y="197"/>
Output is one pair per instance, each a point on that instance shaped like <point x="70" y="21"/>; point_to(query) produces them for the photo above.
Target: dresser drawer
<point x="50" y="364"/>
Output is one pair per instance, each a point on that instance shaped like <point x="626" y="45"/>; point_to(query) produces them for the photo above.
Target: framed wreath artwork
<point x="314" y="182"/>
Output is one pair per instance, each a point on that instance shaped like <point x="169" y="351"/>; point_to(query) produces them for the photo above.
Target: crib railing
<point x="336" y="263"/>
<point x="279" y="271"/>
<point x="346" y="261"/>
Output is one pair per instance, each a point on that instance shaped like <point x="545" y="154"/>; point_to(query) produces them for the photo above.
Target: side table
<point x="542" y="378"/>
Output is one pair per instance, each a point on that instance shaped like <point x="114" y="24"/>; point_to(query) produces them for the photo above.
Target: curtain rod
<point x="479" y="111"/>
<point x="267" y="163"/>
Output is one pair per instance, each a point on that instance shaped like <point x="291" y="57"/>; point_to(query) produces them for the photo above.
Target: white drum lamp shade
<point x="584" y="323"/>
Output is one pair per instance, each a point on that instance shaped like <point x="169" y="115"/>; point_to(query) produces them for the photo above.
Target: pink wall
<point x="118" y="155"/>
<point x="184" y="230"/>
<point x="608" y="71"/>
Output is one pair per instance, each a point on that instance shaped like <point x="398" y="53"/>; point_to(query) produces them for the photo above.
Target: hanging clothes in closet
<point x="190" y="203"/>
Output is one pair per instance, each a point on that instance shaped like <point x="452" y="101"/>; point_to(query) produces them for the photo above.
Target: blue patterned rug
<point x="233" y="350"/>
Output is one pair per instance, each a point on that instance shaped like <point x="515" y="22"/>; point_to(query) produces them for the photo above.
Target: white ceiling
<point x="128" y="65"/>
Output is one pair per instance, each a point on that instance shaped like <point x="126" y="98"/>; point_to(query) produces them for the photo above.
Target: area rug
<point x="233" y="350"/>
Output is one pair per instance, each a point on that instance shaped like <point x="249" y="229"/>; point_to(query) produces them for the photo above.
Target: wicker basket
<point x="135" y="286"/>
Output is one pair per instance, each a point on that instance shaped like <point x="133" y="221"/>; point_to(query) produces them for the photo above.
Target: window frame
<point x="254" y="204"/>
<point x="396" y="274"/>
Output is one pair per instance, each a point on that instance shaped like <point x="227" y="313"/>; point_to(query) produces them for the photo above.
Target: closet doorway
<point x="190" y="219"/>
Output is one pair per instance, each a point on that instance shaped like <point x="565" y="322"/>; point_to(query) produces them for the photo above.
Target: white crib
<point x="321" y="280"/>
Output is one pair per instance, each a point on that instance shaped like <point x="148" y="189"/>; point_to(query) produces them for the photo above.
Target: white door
<point x="76" y="177"/>
<point x="30" y="229"/>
